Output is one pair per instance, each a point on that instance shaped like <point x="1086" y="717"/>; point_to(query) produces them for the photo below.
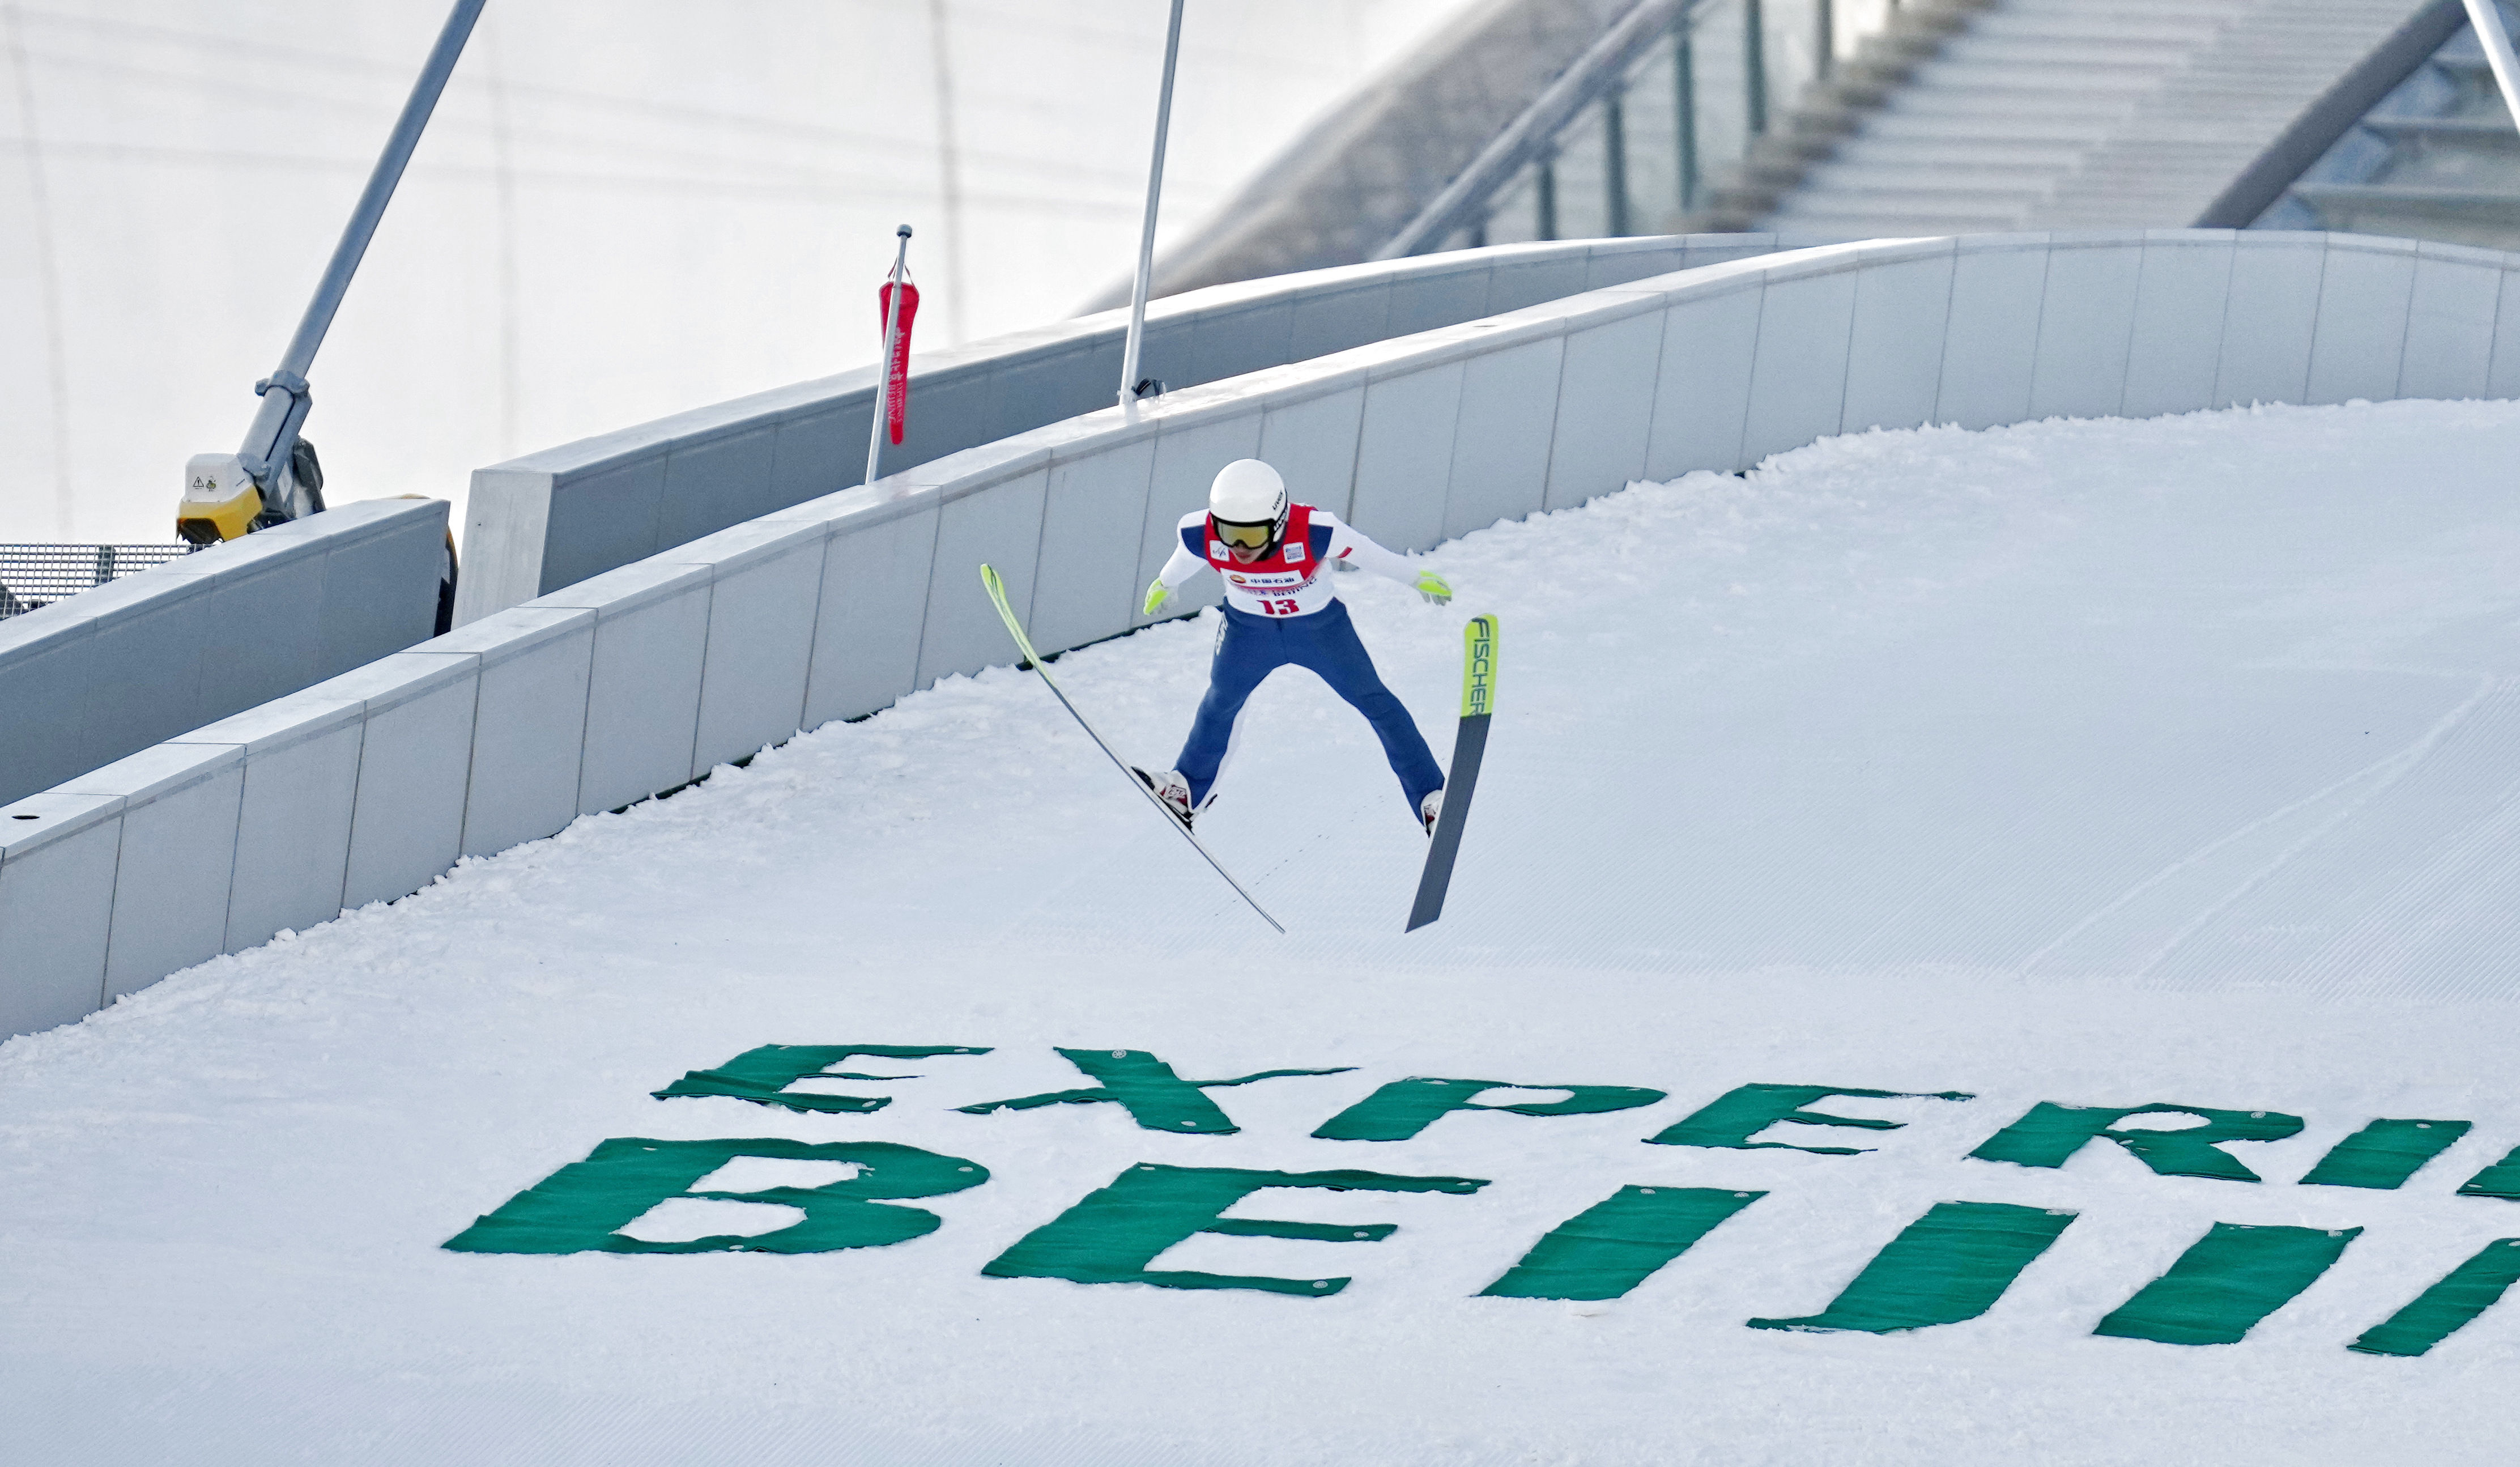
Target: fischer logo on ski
<point x="1470" y="747"/>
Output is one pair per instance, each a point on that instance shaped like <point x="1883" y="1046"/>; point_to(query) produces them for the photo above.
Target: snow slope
<point x="2093" y="762"/>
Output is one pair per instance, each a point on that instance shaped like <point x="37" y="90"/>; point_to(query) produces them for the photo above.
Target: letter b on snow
<point x="583" y="1206"/>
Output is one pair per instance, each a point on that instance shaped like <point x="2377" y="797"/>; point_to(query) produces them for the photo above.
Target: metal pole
<point x="1547" y="189"/>
<point x="1754" y="64"/>
<point x="284" y="393"/>
<point x="949" y="173"/>
<point x="1614" y="136"/>
<point x="1147" y="231"/>
<point x="1684" y="60"/>
<point x="883" y="368"/>
<point x="1827" y="56"/>
<point x="2487" y="17"/>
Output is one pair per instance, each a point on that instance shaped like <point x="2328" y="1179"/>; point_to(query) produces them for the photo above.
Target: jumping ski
<point x="1470" y="744"/>
<point x="998" y="596"/>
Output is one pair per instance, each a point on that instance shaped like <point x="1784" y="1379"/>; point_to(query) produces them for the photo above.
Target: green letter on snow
<point x="1949" y="1266"/>
<point x="2384" y="1154"/>
<point x="1613" y="1246"/>
<point x="1405" y="1106"/>
<point x="1114" y="1234"/>
<point x="762" y="1076"/>
<point x="2232" y="1278"/>
<point x="1147" y="1087"/>
<point x="2502" y="1179"/>
<point x="2052" y="1132"/>
<point x="582" y="1206"/>
<point x="2472" y="1288"/>
<point x="1732" y="1121"/>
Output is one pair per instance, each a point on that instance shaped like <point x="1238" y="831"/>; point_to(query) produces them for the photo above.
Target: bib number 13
<point x="1279" y="608"/>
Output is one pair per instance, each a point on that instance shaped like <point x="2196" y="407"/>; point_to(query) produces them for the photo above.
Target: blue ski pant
<point x="1250" y="648"/>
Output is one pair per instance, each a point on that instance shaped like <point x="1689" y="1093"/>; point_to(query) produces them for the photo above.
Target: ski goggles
<point x="1247" y="536"/>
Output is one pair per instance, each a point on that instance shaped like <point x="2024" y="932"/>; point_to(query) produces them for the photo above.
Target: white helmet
<point x="1248" y="492"/>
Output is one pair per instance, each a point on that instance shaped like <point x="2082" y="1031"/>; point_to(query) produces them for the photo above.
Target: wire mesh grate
<point x="35" y="576"/>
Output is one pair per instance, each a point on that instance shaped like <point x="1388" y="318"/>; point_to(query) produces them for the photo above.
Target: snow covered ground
<point x="2098" y="763"/>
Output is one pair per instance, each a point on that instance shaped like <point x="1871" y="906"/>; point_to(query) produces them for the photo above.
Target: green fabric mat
<point x="1949" y="1266"/>
<point x="581" y="1206"/>
<point x="1116" y="1232"/>
<point x="1147" y="1087"/>
<point x="2469" y="1289"/>
<point x="2385" y="1153"/>
<point x="2231" y="1278"/>
<point x="1613" y="1246"/>
<point x="760" y="1075"/>
<point x="1405" y="1106"/>
<point x="2050" y="1133"/>
<point x="1738" y="1114"/>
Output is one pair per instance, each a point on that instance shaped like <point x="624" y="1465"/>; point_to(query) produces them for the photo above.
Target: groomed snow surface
<point x="2094" y="763"/>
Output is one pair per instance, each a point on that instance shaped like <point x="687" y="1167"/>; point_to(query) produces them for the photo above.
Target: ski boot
<point x="1171" y="791"/>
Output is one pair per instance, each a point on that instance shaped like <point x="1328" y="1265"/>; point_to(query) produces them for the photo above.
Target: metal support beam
<point x="1614" y="160"/>
<point x="1129" y="378"/>
<point x="1684" y="82"/>
<point x="2487" y="17"/>
<point x="2336" y="111"/>
<point x="1754" y="65"/>
<point x="284" y="398"/>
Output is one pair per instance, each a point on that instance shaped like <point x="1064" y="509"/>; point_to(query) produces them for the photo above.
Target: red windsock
<point x="896" y="375"/>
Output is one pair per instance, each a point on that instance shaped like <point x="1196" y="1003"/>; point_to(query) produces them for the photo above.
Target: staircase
<point x="2054" y="115"/>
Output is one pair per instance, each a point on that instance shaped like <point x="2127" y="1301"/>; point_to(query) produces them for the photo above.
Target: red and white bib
<point x="1288" y="581"/>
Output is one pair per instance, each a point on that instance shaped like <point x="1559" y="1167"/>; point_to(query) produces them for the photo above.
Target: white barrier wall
<point x="559" y="515"/>
<point x="116" y="669"/>
<point x="645" y="677"/>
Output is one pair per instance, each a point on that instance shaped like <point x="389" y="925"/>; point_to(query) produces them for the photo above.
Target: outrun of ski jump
<point x="1008" y="905"/>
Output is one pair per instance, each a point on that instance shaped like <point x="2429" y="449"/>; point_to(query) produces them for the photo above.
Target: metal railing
<point x="2337" y="113"/>
<point x="1633" y="138"/>
<point x="35" y="576"/>
<point x="2416" y="140"/>
<point x="1644" y="111"/>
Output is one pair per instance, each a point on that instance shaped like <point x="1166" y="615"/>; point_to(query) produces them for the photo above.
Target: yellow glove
<point x="1157" y="595"/>
<point x="1434" y="589"/>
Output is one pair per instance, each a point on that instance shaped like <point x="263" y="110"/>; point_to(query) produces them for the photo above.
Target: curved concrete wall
<point x="100" y="674"/>
<point x="555" y="518"/>
<point x="639" y="679"/>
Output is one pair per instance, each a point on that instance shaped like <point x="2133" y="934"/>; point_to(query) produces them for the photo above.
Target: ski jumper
<point x="1280" y="609"/>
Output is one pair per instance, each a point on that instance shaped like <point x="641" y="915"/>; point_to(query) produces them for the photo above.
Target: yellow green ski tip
<point x="997" y="589"/>
<point x="1478" y="666"/>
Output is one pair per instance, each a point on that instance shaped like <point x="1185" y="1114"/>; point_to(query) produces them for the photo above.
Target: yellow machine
<point x="220" y="499"/>
<point x="275" y="476"/>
